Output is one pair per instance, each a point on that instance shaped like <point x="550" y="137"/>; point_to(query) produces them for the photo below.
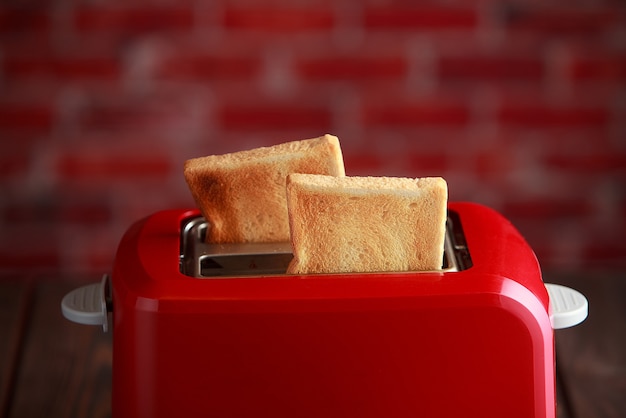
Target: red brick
<point x="428" y="164"/>
<point x="24" y="20"/>
<point x="98" y="260"/>
<point x="590" y="138"/>
<point x="26" y="44"/>
<point x="352" y="68"/>
<point x="362" y="163"/>
<point x="274" y="116"/>
<point x="84" y="213"/>
<point x="423" y="113"/>
<point x="129" y="114"/>
<point x="416" y="18"/>
<point x="57" y="212"/>
<point x="38" y="118"/>
<point x="201" y="67"/>
<point x="134" y="20"/>
<point x="603" y="253"/>
<point x="477" y="67"/>
<point x="64" y="68"/>
<point x="29" y="260"/>
<point x="543" y="115"/>
<point x="609" y="68"/>
<point x="19" y="144"/>
<point x="561" y="21"/>
<point x="13" y="164"/>
<point x="603" y="162"/>
<point x="548" y="208"/>
<point x="106" y="165"/>
<point x="495" y="163"/>
<point x="21" y="251"/>
<point x="279" y="20"/>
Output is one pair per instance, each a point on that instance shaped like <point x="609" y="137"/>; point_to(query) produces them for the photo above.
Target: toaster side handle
<point x="569" y="306"/>
<point x="88" y="305"/>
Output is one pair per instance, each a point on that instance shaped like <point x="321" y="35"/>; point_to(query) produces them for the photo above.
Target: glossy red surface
<point x="471" y="343"/>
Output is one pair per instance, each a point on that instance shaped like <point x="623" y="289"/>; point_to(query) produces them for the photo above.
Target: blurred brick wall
<point x="520" y="105"/>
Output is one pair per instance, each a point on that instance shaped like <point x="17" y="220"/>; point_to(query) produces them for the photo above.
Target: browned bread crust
<point x="366" y="224"/>
<point x="242" y="194"/>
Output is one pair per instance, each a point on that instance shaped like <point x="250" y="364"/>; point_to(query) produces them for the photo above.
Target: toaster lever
<point x="88" y="304"/>
<point x="569" y="306"/>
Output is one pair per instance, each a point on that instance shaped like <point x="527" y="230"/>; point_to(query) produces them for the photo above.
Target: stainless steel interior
<point x="202" y="260"/>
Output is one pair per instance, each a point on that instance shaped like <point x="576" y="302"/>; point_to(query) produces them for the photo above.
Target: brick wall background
<point x="520" y="105"/>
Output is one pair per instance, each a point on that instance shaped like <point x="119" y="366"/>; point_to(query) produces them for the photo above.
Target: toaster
<point x="206" y="330"/>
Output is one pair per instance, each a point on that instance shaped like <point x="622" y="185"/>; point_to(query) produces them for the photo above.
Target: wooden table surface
<point x="50" y="367"/>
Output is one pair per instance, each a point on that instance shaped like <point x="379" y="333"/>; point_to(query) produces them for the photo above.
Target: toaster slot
<point x="244" y="264"/>
<point x="202" y="260"/>
<point x="456" y="242"/>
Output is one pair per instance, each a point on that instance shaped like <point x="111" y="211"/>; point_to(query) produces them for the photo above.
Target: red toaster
<point x="220" y="330"/>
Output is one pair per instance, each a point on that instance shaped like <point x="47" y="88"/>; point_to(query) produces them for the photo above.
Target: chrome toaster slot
<point x="202" y="260"/>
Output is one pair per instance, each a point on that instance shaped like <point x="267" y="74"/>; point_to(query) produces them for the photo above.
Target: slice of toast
<point x="242" y="194"/>
<point x="366" y="224"/>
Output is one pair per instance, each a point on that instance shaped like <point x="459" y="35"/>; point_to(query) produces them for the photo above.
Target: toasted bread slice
<point x="242" y="194"/>
<point x="366" y="224"/>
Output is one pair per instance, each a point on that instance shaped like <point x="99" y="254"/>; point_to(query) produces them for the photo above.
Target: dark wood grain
<point x="591" y="357"/>
<point x="15" y="298"/>
<point x="563" y="406"/>
<point x="65" y="368"/>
